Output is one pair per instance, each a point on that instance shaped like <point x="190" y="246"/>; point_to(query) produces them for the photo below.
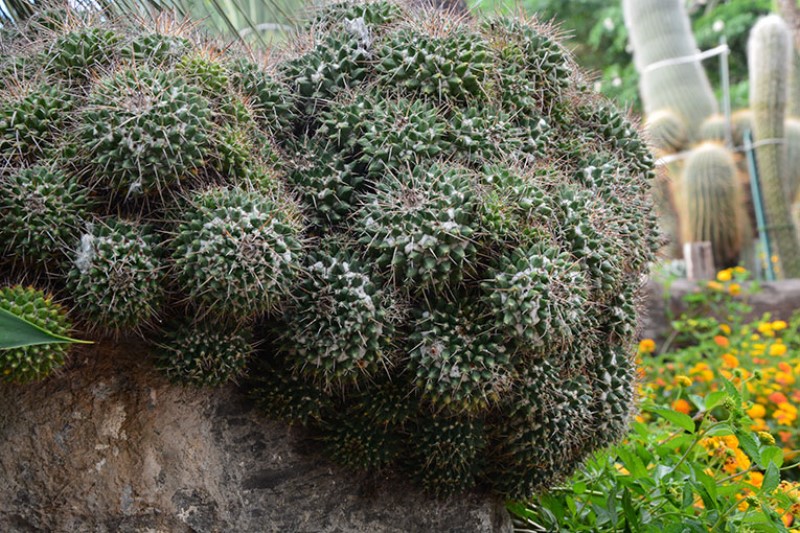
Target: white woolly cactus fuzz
<point x="115" y="279"/>
<point x="237" y="252"/>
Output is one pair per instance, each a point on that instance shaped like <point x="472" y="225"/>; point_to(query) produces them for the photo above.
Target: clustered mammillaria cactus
<point x="433" y="227"/>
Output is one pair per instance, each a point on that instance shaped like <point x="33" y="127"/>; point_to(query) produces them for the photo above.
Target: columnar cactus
<point x="712" y="203"/>
<point x="659" y="31"/>
<point x="431" y="225"/>
<point x="769" y="56"/>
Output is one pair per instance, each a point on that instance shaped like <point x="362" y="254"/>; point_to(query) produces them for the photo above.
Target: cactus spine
<point x="769" y="52"/>
<point x="712" y="203"/>
<point x="659" y="30"/>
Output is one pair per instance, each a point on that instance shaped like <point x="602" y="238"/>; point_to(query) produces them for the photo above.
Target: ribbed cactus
<point x="666" y="131"/>
<point x="713" y="129"/>
<point x="741" y="121"/>
<point x="660" y="30"/>
<point x="792" y="132"/>
<point x="430" y="223"/>
<point x="712" y="203"/>
<point x="769" y="55"/>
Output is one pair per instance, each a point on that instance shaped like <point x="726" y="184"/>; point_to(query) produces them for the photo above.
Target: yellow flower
<point x="740" y="270"/>
<point x="647" y="346"/>
<point x="684" y="381"/>
<point x="756" y="479"/>
<point x="735" y="289"/>
<point x="757" y="411"/>
<point x="777" y="349"/>
<point x="766" y="437"/>
<point x="724" y="275"/>
<point x="779" y="325"/>
<point x="714" y="286"/>
<point x="729" y="361"/>
<point x="726" y="329"/>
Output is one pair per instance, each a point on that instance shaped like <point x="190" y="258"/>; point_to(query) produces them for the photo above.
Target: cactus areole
<point x="421" y="236"/>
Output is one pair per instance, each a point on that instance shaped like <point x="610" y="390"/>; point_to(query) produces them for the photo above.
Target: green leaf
<point x="16" y="331"/>
<point x="772" y="477"/>
<point x="679" y="419"/>
<point x="715" y="398"/>
<point x="770" y="455"/>
<point x="579" y="487"/>
<point x="749" y="444"/>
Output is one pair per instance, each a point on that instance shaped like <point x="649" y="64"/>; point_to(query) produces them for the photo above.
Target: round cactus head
<point x="29" y="363"/>
<point x="666" y="131"/>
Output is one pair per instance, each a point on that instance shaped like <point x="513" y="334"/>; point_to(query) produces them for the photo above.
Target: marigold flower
<point x="779" y="325"/>
<point x="735" y="289"/>
<point x="726" y="329"/>
<point x="682" y="406"/>
<point x="684" y="381"/>
<point x="714" y="286"/>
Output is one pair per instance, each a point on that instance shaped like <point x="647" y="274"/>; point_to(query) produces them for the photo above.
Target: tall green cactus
<point x="712" y="204"/>
<point x="660" y="30"/>
<point x="769" y="55"/>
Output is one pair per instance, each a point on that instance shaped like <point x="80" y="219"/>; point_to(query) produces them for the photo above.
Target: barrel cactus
<point x="29" y="363"/>
<point x="432" y="227"/>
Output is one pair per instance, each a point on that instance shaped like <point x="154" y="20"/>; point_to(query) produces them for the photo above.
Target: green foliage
<point x="700" y="456"/>
<point x="24" y="363"/>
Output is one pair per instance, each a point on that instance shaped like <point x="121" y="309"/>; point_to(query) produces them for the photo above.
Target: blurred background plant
<point x="714" y="447"/>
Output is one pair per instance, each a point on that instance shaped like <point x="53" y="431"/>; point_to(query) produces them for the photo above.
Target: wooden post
<point x="699" y="261"/>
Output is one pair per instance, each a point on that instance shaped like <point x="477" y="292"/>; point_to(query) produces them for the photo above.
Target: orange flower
<point x="682" y="406"/>
<point x="729" y="361"/>
<point x="777" y="398"/>
<point x="647" y="346"/>
<point x="722" y="341"/>
<point x="756" y="479"/>
<point x="735" y="289"/>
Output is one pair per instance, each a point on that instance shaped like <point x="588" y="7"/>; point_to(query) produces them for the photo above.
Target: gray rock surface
<point x="109" y="446"/>
<point x="780" y="298"/>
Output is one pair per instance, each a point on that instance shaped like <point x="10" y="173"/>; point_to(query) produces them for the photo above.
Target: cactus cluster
<point x="429" y="226"/>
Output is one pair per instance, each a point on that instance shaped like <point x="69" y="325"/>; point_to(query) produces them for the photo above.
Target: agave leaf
<point x="16" y="332"/>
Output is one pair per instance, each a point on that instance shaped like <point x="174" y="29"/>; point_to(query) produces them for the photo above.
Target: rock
<point x="660" y="307"/>
<point x="109" y="445"/>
